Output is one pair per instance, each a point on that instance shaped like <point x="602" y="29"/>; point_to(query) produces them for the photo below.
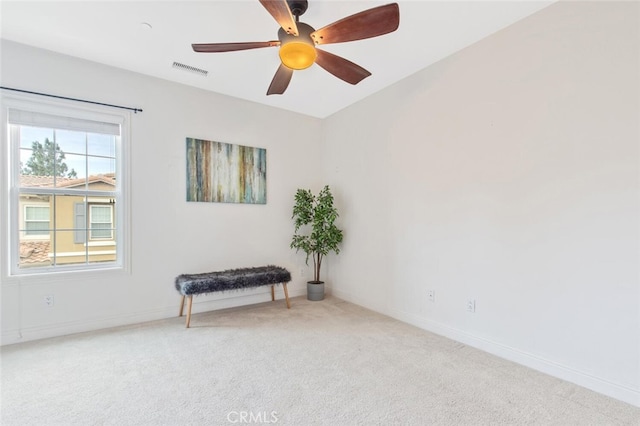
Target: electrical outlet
<point x="302" y="272"/>
<point x="431" y="295"/>
<point x="471" y="305"/>
<point x="48" y="300"/>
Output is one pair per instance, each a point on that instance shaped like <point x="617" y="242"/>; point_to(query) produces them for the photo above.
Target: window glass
<point x="67" y="197"/>
<point x="101" y="225"/>
<point x="36" y="220"/>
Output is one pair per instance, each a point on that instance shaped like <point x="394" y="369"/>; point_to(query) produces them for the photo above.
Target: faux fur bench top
<point x="231" y="279"/>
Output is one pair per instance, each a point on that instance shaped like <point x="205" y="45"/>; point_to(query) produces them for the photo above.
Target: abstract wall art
<point x="219" y="172"/>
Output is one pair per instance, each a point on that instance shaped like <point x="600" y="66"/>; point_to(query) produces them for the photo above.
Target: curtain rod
<point x="135" y="110"/>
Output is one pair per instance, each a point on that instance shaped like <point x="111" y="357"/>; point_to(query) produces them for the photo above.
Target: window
<point x="101" y="223"/>
<point x="66" y="184"/>
<point x="36" y="220"/>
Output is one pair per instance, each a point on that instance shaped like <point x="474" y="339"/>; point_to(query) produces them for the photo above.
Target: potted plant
<point x="315" y="232"/>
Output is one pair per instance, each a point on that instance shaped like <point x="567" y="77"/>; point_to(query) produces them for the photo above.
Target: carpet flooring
<point x="319" y="363"/>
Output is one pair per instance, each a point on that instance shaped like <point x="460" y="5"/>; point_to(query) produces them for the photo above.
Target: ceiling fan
<point x="298" y="40"/>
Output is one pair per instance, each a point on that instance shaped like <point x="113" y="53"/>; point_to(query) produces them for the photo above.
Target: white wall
<point x="507" y="173"/>
<point x="169" y="235"/>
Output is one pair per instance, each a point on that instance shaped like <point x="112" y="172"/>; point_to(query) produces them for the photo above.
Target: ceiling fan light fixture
<point x="297" y="52"/>
<point x="297" y="55"/>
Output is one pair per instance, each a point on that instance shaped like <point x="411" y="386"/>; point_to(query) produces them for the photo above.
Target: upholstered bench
<point x="189" y="285"/>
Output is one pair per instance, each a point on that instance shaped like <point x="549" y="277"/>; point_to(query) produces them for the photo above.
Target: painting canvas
<point x="219" y="172"/>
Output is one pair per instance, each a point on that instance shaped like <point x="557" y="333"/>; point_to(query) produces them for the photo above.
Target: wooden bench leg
<point x="286" y="295"/>
<point x="189" y="303"/>
<point x="181" y="305"/>
<point x="273" y="293"/>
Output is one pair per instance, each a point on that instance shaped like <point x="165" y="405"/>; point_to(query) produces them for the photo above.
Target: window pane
<point x="36" y="228"/>
<point x="64" y="251"/>
<point x="34" y="253"/>
<point x="101" y="231"/>
<point x="102" y="145"/>
<point x="76" y="168"/>
<point x="38" y="161"/>
<point x="70" y="212"/>
<point x="28" y="135"/>
<point x="71" y="142"/>
<point x="37" y="213"/>
<point x="33" y="177"/>
<point x="46" y="152"/>
<point x="101" y="214"/>
<point x="101" y="166"/>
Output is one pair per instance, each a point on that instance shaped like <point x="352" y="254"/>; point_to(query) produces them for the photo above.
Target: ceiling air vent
<point x="189" y="68"/>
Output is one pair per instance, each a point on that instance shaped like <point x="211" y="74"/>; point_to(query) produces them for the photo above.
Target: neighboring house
<point x="85" y="229"/>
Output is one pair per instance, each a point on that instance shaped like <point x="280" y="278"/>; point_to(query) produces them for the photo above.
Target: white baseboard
<point x="223" y="301"/>
<point x="605" y="387"/>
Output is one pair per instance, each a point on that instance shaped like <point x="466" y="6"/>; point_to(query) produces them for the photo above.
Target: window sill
<point x="100" y="244"/>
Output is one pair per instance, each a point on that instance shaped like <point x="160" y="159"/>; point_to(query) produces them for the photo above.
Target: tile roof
<point x="31" y="181"/>
<point x="34" y="253"/>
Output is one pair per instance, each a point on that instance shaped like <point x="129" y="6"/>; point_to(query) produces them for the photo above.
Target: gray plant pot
<point x="315" y="290"/>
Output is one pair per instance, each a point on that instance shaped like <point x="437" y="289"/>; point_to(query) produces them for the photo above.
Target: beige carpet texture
<point x="319" y="363"/>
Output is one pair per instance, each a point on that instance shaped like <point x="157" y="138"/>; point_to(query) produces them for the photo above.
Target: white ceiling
<point x="111" y="32"/>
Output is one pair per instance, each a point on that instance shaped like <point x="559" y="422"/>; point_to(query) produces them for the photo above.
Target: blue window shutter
<point x="80" y="223"/>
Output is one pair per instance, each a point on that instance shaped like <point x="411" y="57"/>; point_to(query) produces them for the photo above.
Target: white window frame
<point x="9" y="181"/>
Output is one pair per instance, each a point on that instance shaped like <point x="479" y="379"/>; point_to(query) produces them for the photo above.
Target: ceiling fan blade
<point x="231" y="47"/>
<point x="369" y="23"/>
<point x="280" y="11"/>
<point x="280" y="81"/>
<point x="341" y="68"/>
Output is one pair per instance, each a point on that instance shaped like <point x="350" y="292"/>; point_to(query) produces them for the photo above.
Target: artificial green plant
<point x="315" y="231"/>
